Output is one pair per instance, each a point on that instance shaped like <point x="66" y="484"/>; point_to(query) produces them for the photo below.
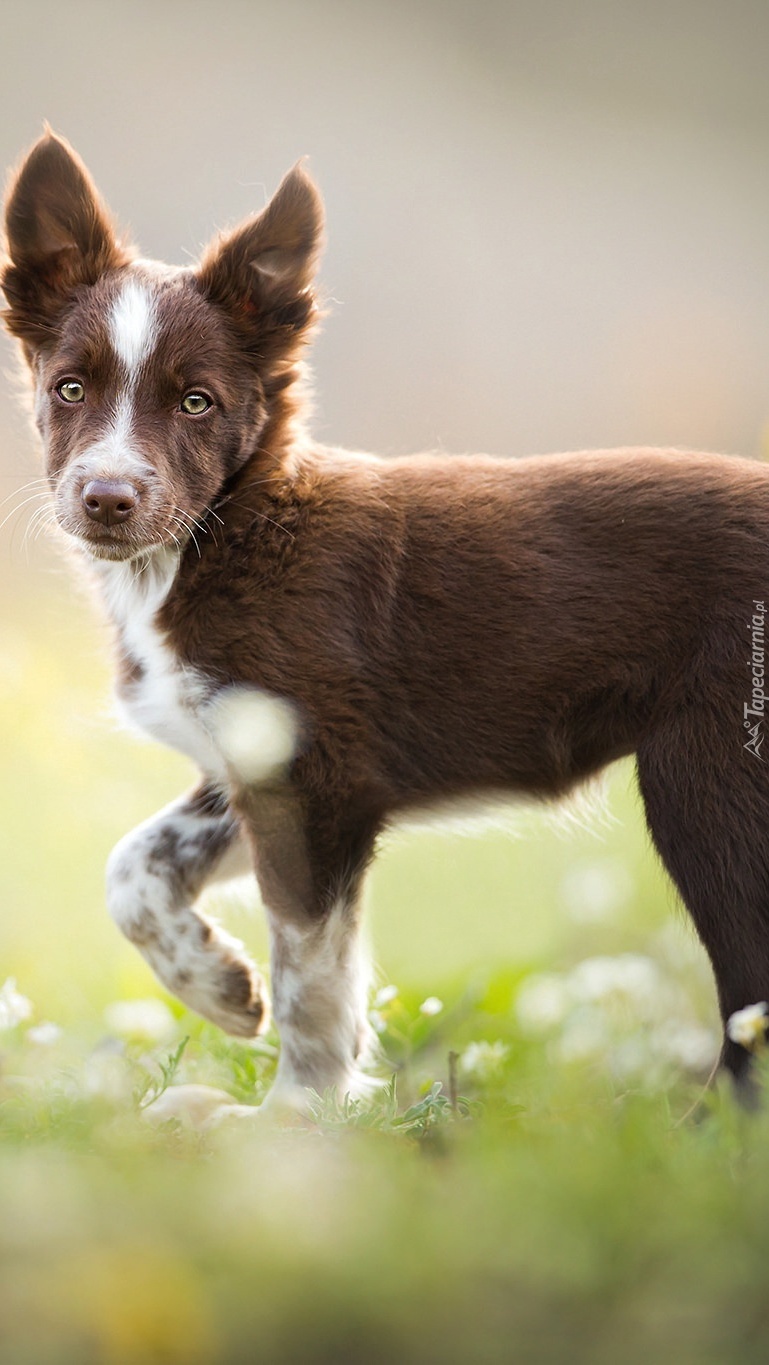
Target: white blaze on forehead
<point x="115" y="455"/>
<point x="133" y="324"/>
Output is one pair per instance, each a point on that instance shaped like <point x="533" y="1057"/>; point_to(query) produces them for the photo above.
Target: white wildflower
<point x="594" y="892"/>
<point x="632" y="1059"/>
<point x="385" y="996"/>
<point x="14" y="1007"/>
<point x="623" y="1011"/>
<point x="748" y="1026"/>
<point x="584" y="1037"/>
<point x="44" y="1034"/>
<point x="432" y="1005"/>
<point x="631" y="975"/>
<point x="483" y="1061"/>
<point x="149" y="1020"/>
<point x="377" y="1021"/>
<point x="543" y="1002"/>
<point x="691" y="1046"/>
<point x="105" y="1074"/>
<point x="256" y="732"/>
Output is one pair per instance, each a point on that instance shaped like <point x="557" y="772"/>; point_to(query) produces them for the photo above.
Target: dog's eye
<point x="71" y="390"/>
<point x="194" y="403"/>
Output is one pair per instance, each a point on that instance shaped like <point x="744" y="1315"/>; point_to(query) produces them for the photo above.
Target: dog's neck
<point x="136" y="589"/>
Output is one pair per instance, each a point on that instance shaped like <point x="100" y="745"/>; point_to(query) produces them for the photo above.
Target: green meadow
<point x="540" y="1176"/>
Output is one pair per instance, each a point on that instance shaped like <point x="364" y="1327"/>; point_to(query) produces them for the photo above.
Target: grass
<point x="527" y="1188"/>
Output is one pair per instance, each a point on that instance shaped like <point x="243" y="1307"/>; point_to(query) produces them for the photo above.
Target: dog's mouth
<point x="117" y="544"/>
<point x="107" y="547"/>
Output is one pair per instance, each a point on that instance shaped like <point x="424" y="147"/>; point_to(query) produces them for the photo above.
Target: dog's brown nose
<point x="108" y="501"/>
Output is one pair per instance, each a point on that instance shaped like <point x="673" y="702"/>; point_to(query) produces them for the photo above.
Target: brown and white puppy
<point x="438" y="628"/>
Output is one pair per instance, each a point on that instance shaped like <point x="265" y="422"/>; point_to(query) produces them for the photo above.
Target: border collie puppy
<point x="337" y="639"/>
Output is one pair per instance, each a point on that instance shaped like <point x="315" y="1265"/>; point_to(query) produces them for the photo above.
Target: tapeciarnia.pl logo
<point x="753" y="711"/>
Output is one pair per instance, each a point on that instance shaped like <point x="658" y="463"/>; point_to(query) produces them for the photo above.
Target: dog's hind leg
<point x="154" y="876"/>
<point x="707" y="806"/>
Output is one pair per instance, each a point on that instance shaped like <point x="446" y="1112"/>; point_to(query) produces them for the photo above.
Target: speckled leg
<point x="154" y="876"/>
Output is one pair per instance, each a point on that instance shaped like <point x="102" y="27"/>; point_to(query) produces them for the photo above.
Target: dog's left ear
<point x="59" y="235"/>
<point x="262" y="272"/>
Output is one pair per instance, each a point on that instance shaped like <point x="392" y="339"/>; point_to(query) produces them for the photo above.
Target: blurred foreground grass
<point x="559" y="1211"/>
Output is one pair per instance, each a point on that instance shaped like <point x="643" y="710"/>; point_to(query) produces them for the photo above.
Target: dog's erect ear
<point x="262" y="272"/>
<point x="59" y="235"/>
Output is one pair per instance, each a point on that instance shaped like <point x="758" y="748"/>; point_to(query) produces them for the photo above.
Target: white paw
<point x="192" y="1105"/>
<point x="206" y="1109"/>
<point x="222" y="986"/>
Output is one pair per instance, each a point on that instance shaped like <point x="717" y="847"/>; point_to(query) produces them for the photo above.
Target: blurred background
<point x="547" y="229"/>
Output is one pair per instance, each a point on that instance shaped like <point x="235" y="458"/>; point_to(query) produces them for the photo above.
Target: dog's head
<point x="152" y="384"/>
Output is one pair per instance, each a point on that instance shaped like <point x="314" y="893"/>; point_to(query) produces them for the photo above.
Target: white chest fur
<point x="165" y="698"/>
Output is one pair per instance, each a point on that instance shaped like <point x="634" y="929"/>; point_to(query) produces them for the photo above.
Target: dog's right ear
<point x="59" y="235"/>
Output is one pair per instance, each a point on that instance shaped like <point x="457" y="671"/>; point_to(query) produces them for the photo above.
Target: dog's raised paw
<point x="218" y="981"/>
<point x="242" y="1001"/>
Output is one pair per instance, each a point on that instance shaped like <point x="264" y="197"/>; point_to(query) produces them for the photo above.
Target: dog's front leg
<point x="310" y="870"/>
<point x="154" y="876"/>
<point x="320" y="979"/>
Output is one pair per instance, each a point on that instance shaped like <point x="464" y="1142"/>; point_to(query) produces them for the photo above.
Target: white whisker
<point x="188" y="531"/>
<point x="191" y="520"/>
<point x="33" y="497"/>
<point x="40" y="518"/>
<point x="16" y="492"/>
<point x="262" y="516"/>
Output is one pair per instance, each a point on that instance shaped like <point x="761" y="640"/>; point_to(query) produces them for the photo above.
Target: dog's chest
<point x="156" y="693"/>
<point x="163" y="699"/>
